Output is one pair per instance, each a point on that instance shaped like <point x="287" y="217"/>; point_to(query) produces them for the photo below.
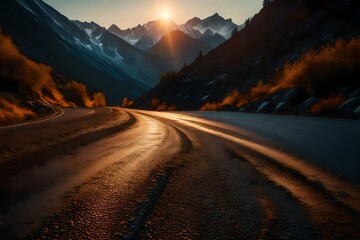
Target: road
<point x="109" y="173"/>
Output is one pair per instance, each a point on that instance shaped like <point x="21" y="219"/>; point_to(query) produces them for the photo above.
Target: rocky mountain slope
<point x="178" y="49"/>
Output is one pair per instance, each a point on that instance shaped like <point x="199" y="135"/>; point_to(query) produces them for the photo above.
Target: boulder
<point x="350" y="104"/>
<point x="357" y="111"/>
<point x="355" y="93"/>
<point x="265" y="107"/>
<point x="293" y="96"/>
<point x="282" y="107"/>
<point x="305" y="106"/>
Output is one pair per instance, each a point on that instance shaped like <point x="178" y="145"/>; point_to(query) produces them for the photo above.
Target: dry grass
<point x="10" y="111"/>
<point x="210" y="107"/>
<point x="99" y="99"/>
<point x="157" y="105"/>
<point x="327" y="105"/>
<point x="77" y="94"/>
<point x="320" y="72"/>
<point x="127" y="103"/>
<point x="235" y="99"/>
<point x="33" y="80"/>
<point x="172" y="108"/>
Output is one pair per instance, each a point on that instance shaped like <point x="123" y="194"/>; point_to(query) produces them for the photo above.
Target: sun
<point x="165" y="15"/>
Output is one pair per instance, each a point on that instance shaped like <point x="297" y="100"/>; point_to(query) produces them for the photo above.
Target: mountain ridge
<point x="148" y="35"/>
<point x="179" y="49"/>
<point x="77" y="54"/>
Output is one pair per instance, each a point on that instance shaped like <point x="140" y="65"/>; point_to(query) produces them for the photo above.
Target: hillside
<point x="178" y="49"/>
<point x="28" y="89"/>
<point x="280" y="33"/>
<point x="90" y="54"/>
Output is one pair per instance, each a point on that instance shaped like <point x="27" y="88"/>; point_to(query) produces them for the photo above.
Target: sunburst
<point x="165" y="15"/>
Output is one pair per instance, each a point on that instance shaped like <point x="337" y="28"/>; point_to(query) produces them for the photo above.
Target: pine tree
<point x="266" y="3"/>
<point x="234" y="32"/>
<point x="199" y="57"/>
<point x="247" y="22"/>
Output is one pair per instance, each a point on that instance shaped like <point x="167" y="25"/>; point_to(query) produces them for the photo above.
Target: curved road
<point x="152" y="175"/>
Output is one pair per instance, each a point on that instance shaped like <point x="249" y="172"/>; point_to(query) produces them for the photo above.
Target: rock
<point x="282" y="107"/>
<point x="265" y="107"/>
<point x="355" y="93"/>
<point x="350" y="104"/>
<point x="293" y="96"/>
<point x="276" y="98"/>
<point x="357" y="111"/>
<point x="305" y="106"/>
<point x="346" y="91"/>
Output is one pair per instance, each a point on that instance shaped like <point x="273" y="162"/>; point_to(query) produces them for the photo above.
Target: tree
<point x="234" y="32"/>
<point x="266" y="3"/>
<point x="184" y="68"/>
<point x="127" y="103"/>
<point x="166" y="76"/>
<point x="199" y="57"/>
<point x="247" y="22"/>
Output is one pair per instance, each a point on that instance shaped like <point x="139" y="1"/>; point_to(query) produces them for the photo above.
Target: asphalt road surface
<point x="109" y="173"/>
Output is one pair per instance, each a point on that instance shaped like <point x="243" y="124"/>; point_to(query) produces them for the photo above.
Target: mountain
<point x="139" y="64"/>
<point x="147" y="35"/>
<point x="83" y="52"/>
<point x="281" y="34"/>
<point x="146" y="42"/>
<point x="144" y="36"/>
<point x="212" y="39"/>
<point x="132" y="35"/>
<point x="179" y="49"/>
<point x="215" y="23"/>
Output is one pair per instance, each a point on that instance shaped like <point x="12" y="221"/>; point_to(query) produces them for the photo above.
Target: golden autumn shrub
<point x="158" y="105"/>
<point x="126" y="103"/>
<point x="11" y="111"/>
<point x="234" y="99"/>
<point x="317" y="71"/>
<point x="99" y="99"/>
<point x="327" y="105"/>
<point x="33" y="80"/>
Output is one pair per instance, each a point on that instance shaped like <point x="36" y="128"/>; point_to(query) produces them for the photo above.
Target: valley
<point x="179" y="119"/>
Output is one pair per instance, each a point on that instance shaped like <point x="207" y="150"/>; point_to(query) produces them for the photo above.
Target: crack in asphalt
<point x="136" y="224"/>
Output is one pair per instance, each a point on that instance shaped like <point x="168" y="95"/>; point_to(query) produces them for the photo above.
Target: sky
<point x="130" y="13"/>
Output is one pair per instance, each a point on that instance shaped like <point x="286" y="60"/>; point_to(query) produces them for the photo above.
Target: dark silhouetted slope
<point x="278" y="34"/>
<point x="178" y="49"/>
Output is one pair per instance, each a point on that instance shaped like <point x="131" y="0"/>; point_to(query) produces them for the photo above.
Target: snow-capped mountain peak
<point x="84" y="51"/>
<point x="147" y="35"/>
